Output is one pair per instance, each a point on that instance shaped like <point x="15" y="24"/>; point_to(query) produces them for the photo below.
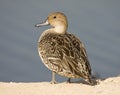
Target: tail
<point x="92" y="80"/>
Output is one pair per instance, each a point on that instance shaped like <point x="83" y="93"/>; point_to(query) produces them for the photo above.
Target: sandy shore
<point x="109" y="86"/>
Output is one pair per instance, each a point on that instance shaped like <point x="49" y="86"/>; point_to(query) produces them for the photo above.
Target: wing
<point x="65" y="54"/>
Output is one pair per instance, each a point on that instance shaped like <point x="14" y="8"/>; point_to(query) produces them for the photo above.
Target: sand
<point x="109" y="86"/>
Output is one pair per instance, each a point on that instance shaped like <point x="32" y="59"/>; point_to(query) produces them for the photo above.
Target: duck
<point x="62" y="52"/>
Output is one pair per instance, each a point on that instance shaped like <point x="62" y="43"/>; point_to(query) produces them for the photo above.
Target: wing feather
<point x="65" y="54"/>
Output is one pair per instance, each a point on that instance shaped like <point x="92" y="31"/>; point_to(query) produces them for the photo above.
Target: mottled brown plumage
<point x="61" y="52"/>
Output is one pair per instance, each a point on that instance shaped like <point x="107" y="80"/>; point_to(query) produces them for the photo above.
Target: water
<point x="96" y="23"/>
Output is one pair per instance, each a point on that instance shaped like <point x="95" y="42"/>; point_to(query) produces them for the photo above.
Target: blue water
<point x="95" y="22"/>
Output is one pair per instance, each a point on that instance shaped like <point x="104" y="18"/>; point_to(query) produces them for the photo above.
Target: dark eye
<point x="54" y="17"/>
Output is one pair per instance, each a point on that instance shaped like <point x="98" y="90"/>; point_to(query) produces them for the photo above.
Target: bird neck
<point x="60" y="29"/>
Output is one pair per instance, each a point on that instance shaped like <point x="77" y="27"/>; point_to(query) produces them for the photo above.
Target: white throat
<point x="60" y="29"/>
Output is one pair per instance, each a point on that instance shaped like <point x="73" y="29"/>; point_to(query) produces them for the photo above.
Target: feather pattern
<point x="64" y="54"/>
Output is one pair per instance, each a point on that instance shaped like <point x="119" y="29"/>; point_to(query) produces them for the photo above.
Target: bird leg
<point x="69" y="80"/>
<point x="53" y="78"/>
